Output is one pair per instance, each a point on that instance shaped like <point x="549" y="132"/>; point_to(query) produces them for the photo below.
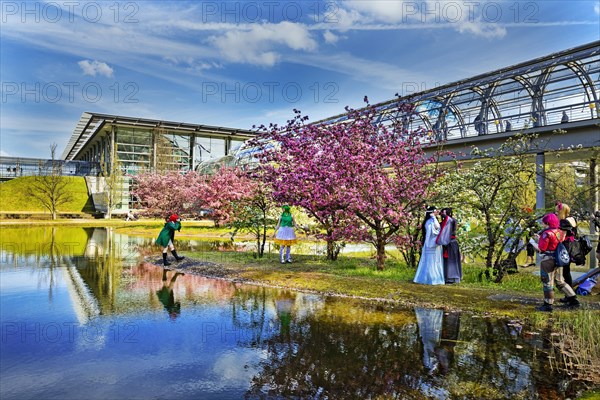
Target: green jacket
<point x="168" y="233"/>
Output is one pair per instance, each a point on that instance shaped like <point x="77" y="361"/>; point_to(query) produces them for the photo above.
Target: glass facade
<point x="134" y="149"/>
<point x="140" y="149"/>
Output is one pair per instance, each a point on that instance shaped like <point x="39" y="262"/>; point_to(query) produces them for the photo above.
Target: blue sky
<point x="239" y="64"/>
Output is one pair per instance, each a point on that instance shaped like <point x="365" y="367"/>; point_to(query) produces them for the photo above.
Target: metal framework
<point x="145" y="144"/>
<point x="558" y="88"/>
<point x="14" y="167"/>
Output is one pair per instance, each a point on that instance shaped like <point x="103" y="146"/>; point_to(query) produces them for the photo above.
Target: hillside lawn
<point x="14" y="198"/>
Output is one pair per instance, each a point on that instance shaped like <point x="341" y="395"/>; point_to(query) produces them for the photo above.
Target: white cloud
<point x="427" y="14"/>
<point x="255" y="45"/>
<point x="95" y="67"/>
<point x="330" y="37"/>
<point x="382" y="10"/>
<point x="597" y="8"/>
<point x="482" y="29"/>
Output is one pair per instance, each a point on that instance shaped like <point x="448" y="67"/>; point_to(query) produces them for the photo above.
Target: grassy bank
<point x="14" y="197"/>
<point x="515" y="297"/>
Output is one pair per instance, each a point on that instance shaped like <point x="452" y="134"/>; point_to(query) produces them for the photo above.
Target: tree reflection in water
<point x="310" y="346"/>
<point x="443" y="355"/>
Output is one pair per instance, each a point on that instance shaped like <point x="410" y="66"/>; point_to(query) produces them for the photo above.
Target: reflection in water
<point x="96" y="325"/>
<point x="166" y="297"/>
<point x="439" y="334"/>
<point x="445" y="351"/>
<point x="430" y="326"/>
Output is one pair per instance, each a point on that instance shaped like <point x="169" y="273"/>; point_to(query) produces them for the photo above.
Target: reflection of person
<point x="431" y="268"/>
<point x="550" y="273"/>
<point x="449" y="336"/>
<point x="430" y="326"/>
<point x="451" y="251"/>
<point x="167" y="236"/>
<point x="284" y="304"/>
<point x="285" y="235"/>
<point x="166" y="296"/>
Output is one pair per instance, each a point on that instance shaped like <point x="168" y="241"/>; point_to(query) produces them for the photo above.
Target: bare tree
<point x="49" y="187"/>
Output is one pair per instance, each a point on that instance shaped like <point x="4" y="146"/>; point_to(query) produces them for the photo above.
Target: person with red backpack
<point x="550" y="272"/>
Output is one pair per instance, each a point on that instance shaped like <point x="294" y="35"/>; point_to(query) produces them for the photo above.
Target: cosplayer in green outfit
<point x="285" y="235"/>
<point x="167" y="236"/>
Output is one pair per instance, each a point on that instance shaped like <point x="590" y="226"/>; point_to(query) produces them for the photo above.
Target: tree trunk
<point x="380" y="247"/>
<point x="261" y="248"/>
<point x="332" y="252"/>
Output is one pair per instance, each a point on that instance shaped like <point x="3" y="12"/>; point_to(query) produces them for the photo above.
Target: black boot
<point x="546" y="307"/>
<point x="573" y="302"/>
<point x="165" y="262"/>
<point x="178" y="258"/>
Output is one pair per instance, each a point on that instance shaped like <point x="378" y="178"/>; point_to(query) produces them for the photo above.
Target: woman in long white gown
<point x="431" y="265"/>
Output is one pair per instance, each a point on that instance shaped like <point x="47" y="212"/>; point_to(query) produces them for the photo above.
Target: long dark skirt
<point x="452" y="264"/>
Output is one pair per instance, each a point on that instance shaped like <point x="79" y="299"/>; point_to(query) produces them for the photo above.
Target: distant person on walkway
<point x="285" y="236"/>
<point x="550" y="273"/>
<point x="536" y="118"/>
<point x="450" y="249"/>
<point x="565" y="118"/>
<point x="431" y="266"/>
<point x="167" y="236"/>
<point x="508" y="126"/>
<point x="478" y="125"/>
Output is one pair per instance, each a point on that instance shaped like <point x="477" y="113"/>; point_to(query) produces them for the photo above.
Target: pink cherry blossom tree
<point x="223" y="189"/>
<point x="240" y="201"/>
<point x="361" y="180"/>
<point x="172" y="191"/>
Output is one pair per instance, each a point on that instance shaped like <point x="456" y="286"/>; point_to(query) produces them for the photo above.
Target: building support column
<point x="193" y="152"/>
<point x="154" y="148"/>
<point x="113" y="147"/>
<point x="540" y="180"/>
<point x="227" y="146"/>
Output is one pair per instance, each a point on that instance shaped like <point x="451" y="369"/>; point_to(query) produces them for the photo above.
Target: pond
<point x="82" y="317"/>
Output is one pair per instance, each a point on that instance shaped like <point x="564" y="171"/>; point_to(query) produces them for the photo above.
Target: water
<point x="83" y="318"/>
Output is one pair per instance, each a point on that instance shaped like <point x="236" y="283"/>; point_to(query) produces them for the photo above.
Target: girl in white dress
<point x="431" y="265"/>
<point x="285" y="235"/>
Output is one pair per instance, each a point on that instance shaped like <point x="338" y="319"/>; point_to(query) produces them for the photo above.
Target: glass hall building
<point x="139" y="144"/>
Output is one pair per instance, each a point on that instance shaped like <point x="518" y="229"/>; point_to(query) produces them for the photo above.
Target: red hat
<point x="173" y="218"/>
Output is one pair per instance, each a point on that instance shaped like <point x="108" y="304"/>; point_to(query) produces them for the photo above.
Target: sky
<point x="243" y="63"/>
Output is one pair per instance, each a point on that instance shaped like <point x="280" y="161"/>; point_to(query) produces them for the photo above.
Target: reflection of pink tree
<point x="360" y="180"/>
<point x="172" y="191"/>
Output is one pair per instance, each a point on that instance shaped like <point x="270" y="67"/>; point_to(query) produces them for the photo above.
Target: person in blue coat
<point x="167" y="236"/>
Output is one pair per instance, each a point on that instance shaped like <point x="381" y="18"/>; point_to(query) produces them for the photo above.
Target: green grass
<point x="14" y="198"/>
<point x="361" y="266"/>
